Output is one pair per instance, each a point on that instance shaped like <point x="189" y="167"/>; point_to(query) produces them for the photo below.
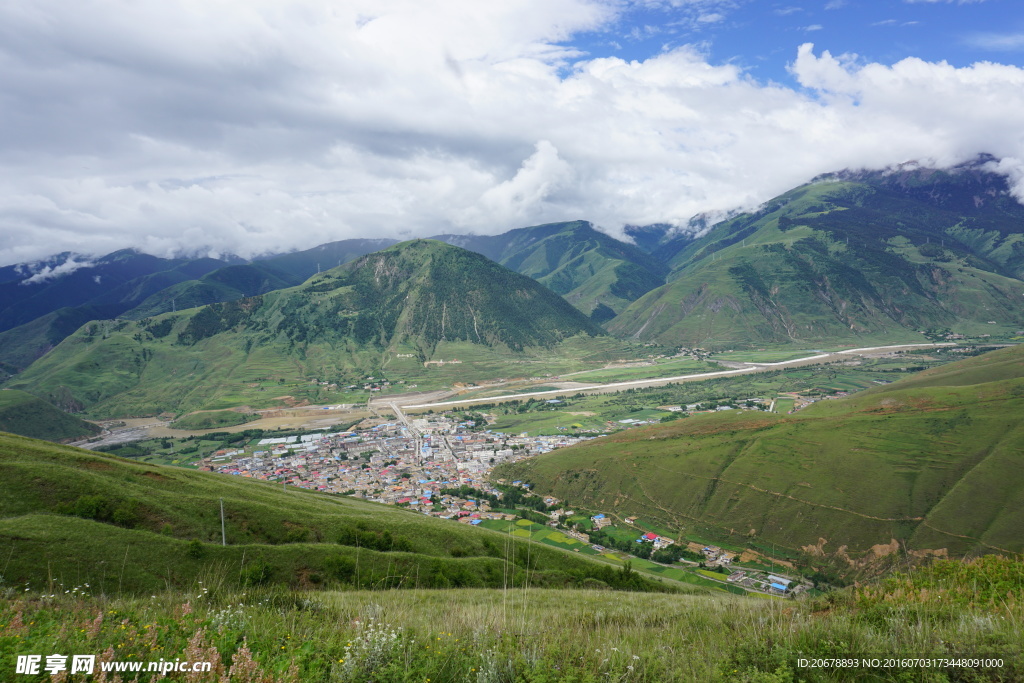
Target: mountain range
<point x="390" y="311"/>
<point x="852" y="258"/>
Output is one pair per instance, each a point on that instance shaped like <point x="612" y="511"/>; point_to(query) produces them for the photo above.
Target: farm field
<point x="658" y="368"/>
<point x="784" y="405"/>
<point x="767" y="356"/>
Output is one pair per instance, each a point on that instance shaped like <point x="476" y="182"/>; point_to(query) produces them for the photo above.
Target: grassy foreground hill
<point x="391" y="312"/>
<point x="953" y="622"/>
<point x="87" y="571"/>
<point x="858" y="257"/>
<point x="926" y="466"/>
<point x="76" y="517"/>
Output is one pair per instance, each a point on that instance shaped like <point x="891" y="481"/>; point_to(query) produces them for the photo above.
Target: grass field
<point x="765" y="356"/>
<point x="660" y="368"/>
<point x="531" y="635"/>
<point x="212" y="419"/>
<point x="783" y="405"/>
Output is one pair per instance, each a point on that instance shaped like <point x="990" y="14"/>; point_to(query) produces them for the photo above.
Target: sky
<point x="258" y="126"/>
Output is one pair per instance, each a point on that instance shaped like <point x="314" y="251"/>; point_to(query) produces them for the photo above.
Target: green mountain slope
<point x="596" y="273"/>
<point x="259" y="277"/>
<point x="932" y="464"/>
<point x="78" y="517"/>
<point x="22" y="345"/>
<point x="394" y="309"/>
<point x="36" y="316"/>
<point x="855" y="256"/>
<point x="224" y="284"/>
<point x="26" y="415"/>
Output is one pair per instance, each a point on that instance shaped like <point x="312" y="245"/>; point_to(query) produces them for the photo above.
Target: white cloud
<point x="711" y="18"/>
<point x="66" y="268"/>
<point x="1000" y="42"/>
<point x="517" y="200"/>
<point x="813" y="27"/>
<point x="254" y="126"/>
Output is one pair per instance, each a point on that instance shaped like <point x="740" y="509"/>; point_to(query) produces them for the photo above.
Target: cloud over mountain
<point x="254" y="126"/>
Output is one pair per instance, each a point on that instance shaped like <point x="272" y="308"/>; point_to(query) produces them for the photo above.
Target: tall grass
<point x="527" y="634"/>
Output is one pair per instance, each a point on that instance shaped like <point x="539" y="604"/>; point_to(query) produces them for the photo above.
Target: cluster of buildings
<point x="772" y="584"/>
<point x="405" y="463"/>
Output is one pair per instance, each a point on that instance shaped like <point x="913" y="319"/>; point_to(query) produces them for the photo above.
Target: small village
<point x="395" y="463"/>
<point x="441" y="467"/>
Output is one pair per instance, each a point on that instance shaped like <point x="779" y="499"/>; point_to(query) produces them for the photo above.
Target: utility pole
<point x="223" y="536"/>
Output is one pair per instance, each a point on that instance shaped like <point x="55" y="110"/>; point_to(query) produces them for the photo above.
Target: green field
<point x="212" y="419"/>
<point x="783" y="405"/>
<point x="104" y="555"/>
<point x="660" y="368"/>
<point x="779" y="356"/>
